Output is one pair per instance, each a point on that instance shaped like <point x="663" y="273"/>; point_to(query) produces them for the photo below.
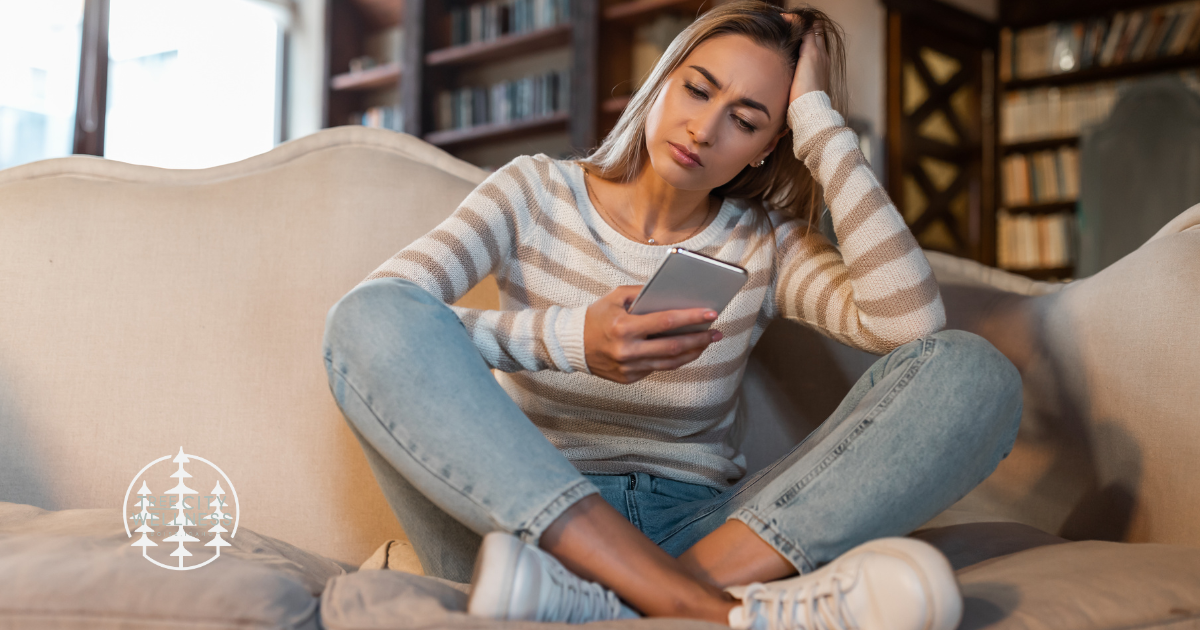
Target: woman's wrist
<point x="808" y="116"/>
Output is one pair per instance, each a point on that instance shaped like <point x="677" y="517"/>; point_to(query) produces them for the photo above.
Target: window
<point x="191" y="83"/>
<point x="39" y="74"/>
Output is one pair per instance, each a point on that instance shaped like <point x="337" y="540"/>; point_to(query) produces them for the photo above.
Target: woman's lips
<point x="683" y="157"/>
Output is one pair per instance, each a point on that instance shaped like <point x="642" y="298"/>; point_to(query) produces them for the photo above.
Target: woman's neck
<point x="650" y="205"/>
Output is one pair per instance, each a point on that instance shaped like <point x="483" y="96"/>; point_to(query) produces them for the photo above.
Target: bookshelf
<point x="488" y="80"/>
<point x="363" y="64"/>
<point x="1061" y="67"/>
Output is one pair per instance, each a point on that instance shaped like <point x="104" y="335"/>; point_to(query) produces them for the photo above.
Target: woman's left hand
<point x="812" y="71"/>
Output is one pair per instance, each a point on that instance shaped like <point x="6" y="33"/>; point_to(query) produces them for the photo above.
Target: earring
<point x="761" y="162"/>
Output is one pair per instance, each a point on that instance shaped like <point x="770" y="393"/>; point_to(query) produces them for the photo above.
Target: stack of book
<point x="1038" y="114"/>
<point x="1125" y="37"/>
<point x="531" y="96"/>
<point x="1055" y="112"/>
<point x="1029" y="241"/>
<point x="1041" y="177"/>
<point x="382" y="117"/>
<point x="486" y="21"/>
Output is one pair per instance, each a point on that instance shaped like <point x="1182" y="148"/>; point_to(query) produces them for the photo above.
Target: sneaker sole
<point x="491" y="597"/>
<point x="945" y="598"/>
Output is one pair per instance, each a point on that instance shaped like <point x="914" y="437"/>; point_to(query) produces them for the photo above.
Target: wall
<point x="306" y="68"/>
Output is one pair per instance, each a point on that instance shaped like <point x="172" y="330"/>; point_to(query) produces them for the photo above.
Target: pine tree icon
<point x="181" y="520"/>
<point x="144" y="516"/>
<point x="218" y="516"/>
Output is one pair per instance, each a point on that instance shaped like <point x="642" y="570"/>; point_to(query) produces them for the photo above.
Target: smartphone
<point x="686" y="279"/>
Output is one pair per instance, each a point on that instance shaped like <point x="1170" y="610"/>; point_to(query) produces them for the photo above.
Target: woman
<point x="603" y="466"/>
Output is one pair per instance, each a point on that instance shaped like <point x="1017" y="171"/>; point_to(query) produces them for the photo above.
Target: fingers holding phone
<point x="616" y="344"/>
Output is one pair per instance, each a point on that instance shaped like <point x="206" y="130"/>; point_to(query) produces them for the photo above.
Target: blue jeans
<point x="457" y="458"/>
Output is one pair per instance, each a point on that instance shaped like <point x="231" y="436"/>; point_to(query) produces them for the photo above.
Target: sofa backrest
<point x="145" y="309"/>
<point x="1109" y="446"/>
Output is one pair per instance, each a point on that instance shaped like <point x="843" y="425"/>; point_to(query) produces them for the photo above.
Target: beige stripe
<point x="874" y="342"/>
<point x="815" y="244"/>
<point x="902" y="302"/>
<point x="601" y="403"/>
<point x="564" y="235"/>
<point x="434" y="268"/>
<point x="469" y="318"/>
<point x="827" y="293"/>
<point x="485" y="234"/>
<point x="503" y="331"/>
<point x="504" y="206"/>
<point x="888" y="250"/>
<point x="874" y="201"/>
<point x="578" y="428"/>
<point x="536" y="258"/>
<point x="521" y="294"/>
<point x="758" y="279"/>
<point x="813" y="149"/>
<point x="460" y="252"/>
<point x="692" y="373"/>
<point x="552" y="227"/>
<point x="806" y="283"/>
<point x="541" y="352"/>
<point x="740" y="325"/>
<point x="841" y="175"/>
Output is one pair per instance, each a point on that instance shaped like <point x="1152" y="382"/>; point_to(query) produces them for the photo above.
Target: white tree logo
<point x="189" y="519"/>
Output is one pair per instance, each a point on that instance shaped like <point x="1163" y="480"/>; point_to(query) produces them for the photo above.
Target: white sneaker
<point x="515" y="580"/>
<point x="893" y="583"/>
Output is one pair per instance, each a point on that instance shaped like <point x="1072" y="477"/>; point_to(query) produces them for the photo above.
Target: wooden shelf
<point x="1051" y="207"/>
<point x="1039" y="145"/>
<point x="379" y="76"/>
<point x="503" y="47"/>
<point x="495" y="132"/>
<point x="638" y="10"/>
<point x="1057" y="273"/>
<point x="1161" y="64"/>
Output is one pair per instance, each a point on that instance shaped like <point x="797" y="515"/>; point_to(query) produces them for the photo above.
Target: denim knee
<point x="377" y="300"/>
<point x="987" y="375"/>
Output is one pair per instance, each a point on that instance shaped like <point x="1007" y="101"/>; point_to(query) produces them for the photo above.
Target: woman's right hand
<point x="615" y="342"/>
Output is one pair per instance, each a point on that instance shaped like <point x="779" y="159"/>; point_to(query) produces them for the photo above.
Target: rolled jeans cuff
<point x="785" y="546"/>
<point x="532" y="531"/>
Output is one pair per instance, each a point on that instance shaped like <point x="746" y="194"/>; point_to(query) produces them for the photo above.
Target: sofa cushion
<point x="1030" y="581"/>
<point x="76" y="569"/>
<point x="1088" y="585"/>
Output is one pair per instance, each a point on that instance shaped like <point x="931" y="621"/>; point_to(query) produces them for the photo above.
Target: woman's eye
<point x="700" y="94"/>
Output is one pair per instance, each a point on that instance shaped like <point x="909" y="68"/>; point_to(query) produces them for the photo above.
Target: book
<point x="1028" y="241"/>
<point x="485" y="21"/>
<point x="533" y="95"/>
<point x="1189" y="15"/>
<point x="1115" y="33"/>
<point x="1127" y="37"/>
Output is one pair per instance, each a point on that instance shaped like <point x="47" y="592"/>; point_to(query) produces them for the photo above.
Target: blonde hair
<point x="783" y="182"/>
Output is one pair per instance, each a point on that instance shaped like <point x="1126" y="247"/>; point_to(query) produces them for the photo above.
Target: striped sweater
<point x="532" y="224"/>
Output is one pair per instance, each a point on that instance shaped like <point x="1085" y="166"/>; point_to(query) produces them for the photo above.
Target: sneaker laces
<point x="819" y="605"/>
<point x="577" y="600"/>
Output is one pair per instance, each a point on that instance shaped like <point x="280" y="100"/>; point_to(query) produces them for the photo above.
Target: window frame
<point x="92" y="100"/>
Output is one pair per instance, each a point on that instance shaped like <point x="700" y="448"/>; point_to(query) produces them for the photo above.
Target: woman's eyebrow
<point x="748" y="102"/>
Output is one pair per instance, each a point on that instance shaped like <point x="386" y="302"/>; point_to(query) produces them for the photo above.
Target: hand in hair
<point x="812" y="71"/>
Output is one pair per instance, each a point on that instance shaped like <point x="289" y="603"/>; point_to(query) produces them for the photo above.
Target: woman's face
<point x="713" y="106"/>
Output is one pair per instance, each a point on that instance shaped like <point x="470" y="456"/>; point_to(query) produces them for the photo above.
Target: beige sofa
<point x="145" y="309"/>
